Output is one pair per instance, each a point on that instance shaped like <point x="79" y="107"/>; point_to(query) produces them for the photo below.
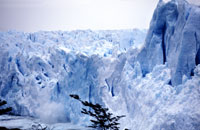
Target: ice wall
<point x="173" y="37"/>
<point x="40" y="70"/>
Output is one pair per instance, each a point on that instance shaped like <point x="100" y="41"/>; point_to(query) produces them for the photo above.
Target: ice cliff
<point x="156" y="84"/>
<point x="173" y="37"/>
<point x="40" y="70"/>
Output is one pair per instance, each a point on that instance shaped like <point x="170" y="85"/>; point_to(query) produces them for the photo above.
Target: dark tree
<point x="4" y="128"/>
<point x="4" y="110"/>
<point x="103" y="120"/>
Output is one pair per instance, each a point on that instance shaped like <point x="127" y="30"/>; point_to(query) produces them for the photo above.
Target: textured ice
<point x="151" y="104"/>
<point x="173" y="37"/>
<point x="40" y="70"/>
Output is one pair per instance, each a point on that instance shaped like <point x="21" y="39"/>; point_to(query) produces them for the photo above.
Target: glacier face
<point x="150" y="103"/>
<point x="40" y="70"/>
<point x="173" y="37"/>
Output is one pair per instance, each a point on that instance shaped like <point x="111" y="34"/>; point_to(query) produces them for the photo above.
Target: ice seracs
<point x="173" y="37"/>
<point x="156" y="85"/>
<point x="39" y="70"/>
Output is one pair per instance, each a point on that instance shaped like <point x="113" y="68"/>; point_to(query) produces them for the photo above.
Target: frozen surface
<point x="27" y="123"/>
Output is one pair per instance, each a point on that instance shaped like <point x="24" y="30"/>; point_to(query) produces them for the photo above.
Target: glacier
<point x="173" y="37"/>
<point x="151" y="77"/>
<point x="39" y="70"/>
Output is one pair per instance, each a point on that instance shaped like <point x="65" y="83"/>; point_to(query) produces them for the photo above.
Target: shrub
<point x="4" y="110"/>
<point x="102" y="119"/>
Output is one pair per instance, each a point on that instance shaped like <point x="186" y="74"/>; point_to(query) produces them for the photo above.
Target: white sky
<point x="35" y="15"/>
